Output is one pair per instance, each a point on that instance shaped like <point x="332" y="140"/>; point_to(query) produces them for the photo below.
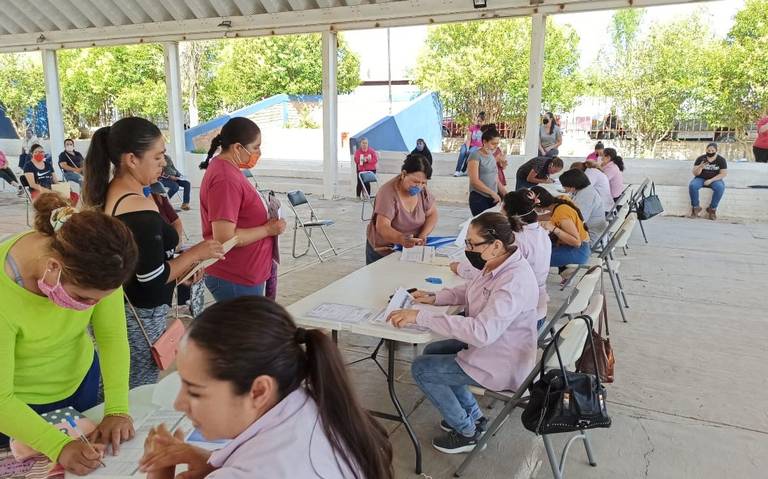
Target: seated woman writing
<point x="280" y="393"/>
<point x="404" y="212"/>
<point x="570" y="239"/>
<point x="493" y="346"/>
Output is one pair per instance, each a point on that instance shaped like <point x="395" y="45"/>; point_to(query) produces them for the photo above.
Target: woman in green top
<point x="57" y="281"/>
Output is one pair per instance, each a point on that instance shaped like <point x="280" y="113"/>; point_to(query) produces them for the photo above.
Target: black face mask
<point x="545" y="121"/>
<point x="711" y="155"/>
<point x="475" y="259"/>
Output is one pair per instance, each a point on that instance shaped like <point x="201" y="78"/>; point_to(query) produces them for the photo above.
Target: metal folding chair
<point x="27" y="195"/>
<point x="249" y="174"/>
<point x="296" y="199"/>
<point x="368" y="198"/>
<point x="634" y="202"/>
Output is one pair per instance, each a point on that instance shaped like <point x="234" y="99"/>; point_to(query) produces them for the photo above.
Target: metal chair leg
<point x="616" y="292"/>
<point x="621" y="288"/>
<point x="642" y="228"/>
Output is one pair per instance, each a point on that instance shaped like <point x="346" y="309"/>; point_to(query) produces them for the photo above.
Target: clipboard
<point x="228" y="245"/>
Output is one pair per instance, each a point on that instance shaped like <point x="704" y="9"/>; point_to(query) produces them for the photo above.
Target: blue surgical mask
<point x="414" y="190"/>
<point x="147" y="191"/>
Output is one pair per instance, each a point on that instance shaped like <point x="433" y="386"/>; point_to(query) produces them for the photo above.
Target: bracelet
<point x="120" y="414"/>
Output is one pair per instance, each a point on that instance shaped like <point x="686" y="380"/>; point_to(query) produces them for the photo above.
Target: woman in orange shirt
<point x="570" y="239"/>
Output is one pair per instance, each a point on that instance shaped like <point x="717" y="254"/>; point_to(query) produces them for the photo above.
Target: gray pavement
<point x="689" y="397"/>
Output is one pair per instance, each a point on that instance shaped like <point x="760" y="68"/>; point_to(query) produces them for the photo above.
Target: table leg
<point x="396" y="402"/>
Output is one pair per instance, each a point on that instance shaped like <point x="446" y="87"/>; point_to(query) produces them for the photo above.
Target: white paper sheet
<point x="418" y="254"/>
<point x="339" y="312"/>
<point x="228" y="245"/>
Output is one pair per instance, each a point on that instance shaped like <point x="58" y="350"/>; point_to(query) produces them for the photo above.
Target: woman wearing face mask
<point x="493" y="345"/>
<point x="280" y="393"/>
<point x="570" y="239"/>
<point x="230" y="206"/>
<point x="405" y="212"/>
<point x="57" y="282"/>
<point x="39" y="172"/>
<point x="709" y="170"/>
<point x="423" y="150"/>
<point x="71" y="162"/>
<point x="131" y="152"/>
<point x="550" y="136"/>
<point x="537" y="170"/>
<point x="485" y="189"/>
<point x="613" y="167"/>
<point x="587" y="200"/>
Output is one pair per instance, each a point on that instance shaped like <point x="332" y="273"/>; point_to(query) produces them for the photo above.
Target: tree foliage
<point x="483" y="66"/>
<point x="252" y="69"/>
<point x="21" y="88"/>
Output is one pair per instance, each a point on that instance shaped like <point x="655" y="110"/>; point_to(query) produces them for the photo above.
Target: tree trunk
<point x="194" y="112"/>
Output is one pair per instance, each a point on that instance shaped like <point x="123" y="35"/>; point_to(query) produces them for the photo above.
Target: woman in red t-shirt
<point x="760" y="147"/>
<point x="231" y="206"/>
<point x="366" y="159"/>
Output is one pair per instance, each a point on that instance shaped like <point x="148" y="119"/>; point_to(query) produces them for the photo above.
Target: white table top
<point x="370" y="288"/>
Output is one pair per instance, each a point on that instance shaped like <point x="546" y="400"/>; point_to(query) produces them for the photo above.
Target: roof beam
<point x="200" y="8"/>
<point x="178" y="10"/>
<point x="154" y="9"/>
<point x="274" y="6"/>
<point x="36" y="15"/>
<point x="21" y="19"/>
<point x="133" y="11"/>
<point x="225" y="8"/>
<point x="65" y="8"/>
<point x="329" y="3"/>
<point x="10" y="26"/>
<point x="93" y="15"/>
<point x="115" y="16"/>
<point x="249" y="7"/>
<point x="301" y="5"/>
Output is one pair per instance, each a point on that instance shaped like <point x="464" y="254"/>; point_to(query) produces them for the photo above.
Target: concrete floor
<point x="689" y="397"/>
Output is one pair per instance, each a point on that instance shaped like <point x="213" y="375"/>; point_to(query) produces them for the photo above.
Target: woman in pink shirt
<point x="366" y="159"/>
<point x="613" y="166"/>
<point x="597" y="155"/>
<point x="230" y="206"/>
<point x="279" y="393"/>
<point x="493" y="346"/>
<point x="760" y="147"/>
<point x="6" y="173"/>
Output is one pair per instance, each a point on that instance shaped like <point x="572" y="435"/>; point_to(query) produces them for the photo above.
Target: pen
<point x="82" y="437"/>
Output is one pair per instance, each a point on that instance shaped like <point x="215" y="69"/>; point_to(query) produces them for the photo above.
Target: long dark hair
<point x="552" y="124"/>
<point x="495" y="226"/>
<point x="519" y="207"/>
<point x="264" y="340"/>
<point x="555" y="161"/>
<point x="416" y="162"/>
<point x="615" y="158"/>
<point x="237" y="130"/>
<point x="575" y="178"/>
<point x="128" y="135"/>
<point x="547" y="200"/>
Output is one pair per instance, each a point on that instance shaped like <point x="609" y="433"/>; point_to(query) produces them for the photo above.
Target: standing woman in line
<point x="131" y="153"/>
<point x="485" y="189"/>
<point x="613" y="167"/>
<point x="550" y="136"/>
<point x="231" y="206"/>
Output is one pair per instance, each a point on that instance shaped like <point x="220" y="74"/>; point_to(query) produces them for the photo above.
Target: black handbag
<point x="649" y="206"/>
<point x="565" y="401"/>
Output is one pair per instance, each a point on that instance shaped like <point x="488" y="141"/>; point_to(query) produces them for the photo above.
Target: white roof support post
<point x="330" y="115"/>
<point x="53" y="103"/>
<point x="175" y="110"/>
<point x="535" y="80"/>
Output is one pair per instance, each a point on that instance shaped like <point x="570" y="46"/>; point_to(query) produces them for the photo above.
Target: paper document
<point x="450" y="251"/>
<point x="402" y="299"/>
<point x="339" y="312"/>
<point x="418" y="254"/>
<point x="228" y="245"/>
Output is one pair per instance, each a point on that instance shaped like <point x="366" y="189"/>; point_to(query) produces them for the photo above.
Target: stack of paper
<point x="339" y="312"/>
<point x="418" y="254"/>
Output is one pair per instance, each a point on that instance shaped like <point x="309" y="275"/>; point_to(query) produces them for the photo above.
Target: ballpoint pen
<point x="82" y="437"/>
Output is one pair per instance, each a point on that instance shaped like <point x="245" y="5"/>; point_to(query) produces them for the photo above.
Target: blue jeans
<point x="173" y="187"/>
<point x="446" y="385"/>
<point x="222" y="290"/>
<point x="718" y="189"/>
<point x="371" y="255"/>
<point x="464" y="152"/>
<point x="85" y="397"/>
<point x="73" y="177"/>
<point x="563" y="255"/>
<point x="479" y="203"/>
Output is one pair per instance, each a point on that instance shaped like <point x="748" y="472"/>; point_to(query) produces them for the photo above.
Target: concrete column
<point x="330" y="115"/>
<point x="535" y="80"/>
<point x="53" y="103"/>
<point x="175" y="106"/>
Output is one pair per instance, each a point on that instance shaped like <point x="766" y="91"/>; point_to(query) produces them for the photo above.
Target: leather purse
<point x="649" y="206"/>
<point x="599" y="348"/>
<point x="565" y="401"/>
<point x="165" y="348"/>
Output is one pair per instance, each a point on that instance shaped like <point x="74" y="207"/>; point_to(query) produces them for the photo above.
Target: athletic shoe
<point x="455" y="443"/>
<point x="480" y="425"/>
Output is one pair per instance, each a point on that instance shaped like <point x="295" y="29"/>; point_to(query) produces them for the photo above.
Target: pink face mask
<point x="60" y="297"/>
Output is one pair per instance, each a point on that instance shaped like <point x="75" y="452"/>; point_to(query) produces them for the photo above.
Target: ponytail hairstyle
<point x="489" y="134"/>
<point x="546" y="200"/>
<point x="615" y="158"/>
<point x="237" y="130"/>
<point x="495" y="226"/>
<point x="520" y="208"/>
<point x="95" y="250"/>
<point x="128" y="135"/>
<point x="555" y="161"/>
<point x="416" y="162"/>
<point x="579" y="165"/>
<point x="574" y="178"/>
<point x="264" y="340"/>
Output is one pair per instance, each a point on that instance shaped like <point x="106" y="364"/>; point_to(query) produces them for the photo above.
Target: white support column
<point x="535" y="80"/>
<point x="175" y="108"/>
<point x="53" y="102"/>
<point x="330" y="115"/>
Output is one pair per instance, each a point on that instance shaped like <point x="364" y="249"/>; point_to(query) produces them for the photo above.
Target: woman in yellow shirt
<point x="57" y="281"/>
<point x="570" y="239"/>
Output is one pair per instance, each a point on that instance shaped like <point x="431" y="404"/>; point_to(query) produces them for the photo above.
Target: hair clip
<point x="59" y="216"/>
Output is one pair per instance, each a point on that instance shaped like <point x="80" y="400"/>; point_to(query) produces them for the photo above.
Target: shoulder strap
<point x="136" y="316"/>
<point x="120" y="200"/>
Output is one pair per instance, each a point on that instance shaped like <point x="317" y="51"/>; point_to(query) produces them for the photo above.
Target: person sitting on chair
<point x="6" y="173"/>
<point x="709" y="170"/>
<point x="366" y="159"/>
<point x="27" y="142"/>
<point x="587" y="199"/>
<point x="41" y="176"/>
<point x="173" y="180"/>
<point x="71" y="162"/>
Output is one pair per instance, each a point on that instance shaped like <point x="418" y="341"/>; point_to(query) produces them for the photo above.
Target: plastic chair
<point x="295" y="200"/>
<point x="367" y="177"/>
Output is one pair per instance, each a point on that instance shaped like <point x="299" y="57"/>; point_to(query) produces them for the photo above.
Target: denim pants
<point x="563" y="254"/>
<point x="446" y="385"/>
<point x="173" y="187"/>
<point x="222" y="290"/>
<point x="464" y="152"/>
<point x="73" y="177"/>
<point x="84" y="398"/>
<point x="718" y="188"/>
<point x="479" y="203"/>
<point x="371" y="255"/>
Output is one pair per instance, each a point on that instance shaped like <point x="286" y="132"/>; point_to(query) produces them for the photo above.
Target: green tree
<point x="483" y="66"/>
<point x="256" y="68"/>
<point x="21" y="87"/>
<point x="198" y="60"/>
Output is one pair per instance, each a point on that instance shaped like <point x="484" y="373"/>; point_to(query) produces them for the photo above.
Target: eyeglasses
<point x="470" y="245"/>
